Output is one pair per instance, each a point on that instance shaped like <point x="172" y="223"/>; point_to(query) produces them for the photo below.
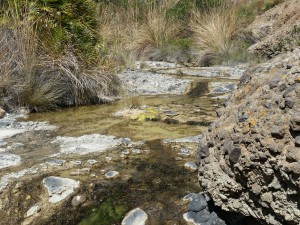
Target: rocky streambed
<point x="132" y="160"/>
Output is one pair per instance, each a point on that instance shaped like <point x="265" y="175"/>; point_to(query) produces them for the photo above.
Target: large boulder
<point x="250" y="157"/>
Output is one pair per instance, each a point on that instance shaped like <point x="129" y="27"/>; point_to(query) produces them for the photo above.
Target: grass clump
<point x="50" y="55"/>
<point x="214" y="31"/>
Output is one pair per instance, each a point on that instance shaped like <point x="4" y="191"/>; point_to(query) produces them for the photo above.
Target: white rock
<point x="191" y="166"/>
<point x="136" y="151"/>
<point x="9" y="132"/>
<point x="8" y="160"/>
<point x="7" y="178"/>
<point x="135" y="217"/>
<point x="55" y="162"/>
<point x="92" y="161"/>
<point x="108" y="159"/>
<point x="87" y="143"/>
<point x="33" y="210"/>
<point x="59" y="188"/>
<point x="125" y="152"/>
<point x="76" y="162"/>
<point x="111" y="174"/>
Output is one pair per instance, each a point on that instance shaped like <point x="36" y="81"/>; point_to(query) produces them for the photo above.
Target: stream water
<point x="157" y="180"/>
<point x="152" y="171"/>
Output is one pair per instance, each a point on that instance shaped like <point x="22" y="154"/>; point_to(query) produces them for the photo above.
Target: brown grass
<point x="214" y="31"/>
<point x="157" y="32"/>
<point x="130" y="34"/>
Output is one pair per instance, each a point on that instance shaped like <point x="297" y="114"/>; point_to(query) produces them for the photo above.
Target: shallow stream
<point x="152" y="172"/>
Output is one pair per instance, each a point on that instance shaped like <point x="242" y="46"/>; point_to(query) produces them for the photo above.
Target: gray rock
<point x="274" y="82"/>
<point x="135" y="217"/>
<point x="293" y="154"/>
<point x="289" y="102"/>
<point x="59" y="188"/>
<point x="111" y="174"/>
<point x="78" y="200"/>
<point x="2" y="113"/>
<point x="197" y="218"/>
<point x="196" y="206"/>
<point x="295" y="122"/>
<point x="234" y="151"/>
<point x="243" y="118"/>
<point x="203" y="151"/>
<point x="277" y="132"/>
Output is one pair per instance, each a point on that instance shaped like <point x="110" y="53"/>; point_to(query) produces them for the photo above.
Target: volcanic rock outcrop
<point x="250" y="157"/>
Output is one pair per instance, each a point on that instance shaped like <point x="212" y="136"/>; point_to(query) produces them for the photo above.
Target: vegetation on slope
<point x="63" y="52"/>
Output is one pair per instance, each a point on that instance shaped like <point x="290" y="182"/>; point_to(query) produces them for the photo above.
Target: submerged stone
<point x="135" y="217"/>
<point x="111" y="174"/>
<point x="92" y="161"/>
<point x="59" y="188"/>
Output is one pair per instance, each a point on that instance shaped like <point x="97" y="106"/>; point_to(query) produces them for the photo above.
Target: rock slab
<point x="135" y="217"/>
<point x="59" y="188"/>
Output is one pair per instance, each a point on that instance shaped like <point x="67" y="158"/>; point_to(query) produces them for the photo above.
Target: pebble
<point x="190" y="166"/>
<point x="76" y="162"/>
<point x="33" y="210"/>
<point x="184" y="152"/>
<point x="136" y="151"/>
<point x="55" y="162"/>
<point x="108" y="159"/>
<point x="92" y="161"/>
<point x="78" y="200"/>
<point x="125" y="152"/>
<point x="111" y="174"/>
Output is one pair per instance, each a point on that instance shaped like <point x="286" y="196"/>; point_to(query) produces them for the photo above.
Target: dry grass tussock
<point x="133" y="32"/>
<point x="157" y="32"/>
<point x="214" y="31"/>
<point x="30" y="77"/>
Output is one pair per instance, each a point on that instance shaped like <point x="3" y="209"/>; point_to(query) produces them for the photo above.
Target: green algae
<point x="106" y="214"/>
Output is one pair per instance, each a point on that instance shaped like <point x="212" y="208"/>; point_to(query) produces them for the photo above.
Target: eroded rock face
<point x="250" y="157"/>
